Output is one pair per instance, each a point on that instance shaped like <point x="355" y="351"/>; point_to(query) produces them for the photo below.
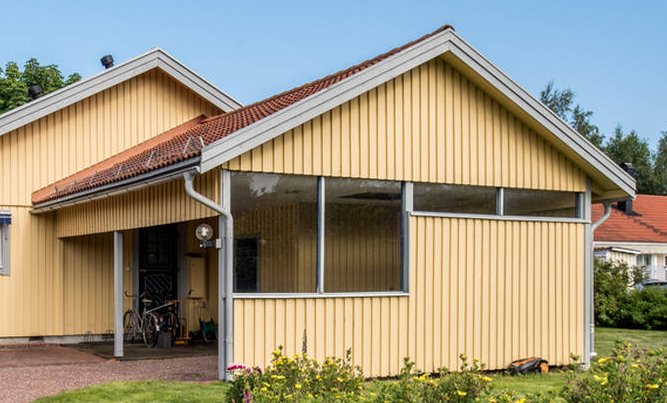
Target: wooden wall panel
<point x="54" y="147"/>
<point x="161" y="204"/>
<point x="494" y="290"/>
<point x="428" y="125"/>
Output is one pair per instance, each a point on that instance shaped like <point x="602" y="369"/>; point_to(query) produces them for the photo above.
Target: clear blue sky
<point x="613" y="54"/>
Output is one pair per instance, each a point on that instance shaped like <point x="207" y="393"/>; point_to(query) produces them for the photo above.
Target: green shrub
<point x="645" y="309"/>
<point x="297" y="378"/>
<point x="629" y="375"/>
<point x="467" y="385"/>
<point x="611" y="283"/>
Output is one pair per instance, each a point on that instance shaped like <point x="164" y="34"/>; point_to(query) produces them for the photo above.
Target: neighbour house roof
<point x="155" y="58"/>
<point x="216" y="140"/>
<point x="647" y="223"/>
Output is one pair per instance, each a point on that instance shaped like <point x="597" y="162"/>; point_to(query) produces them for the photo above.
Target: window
<point x="362" y="246"/>
<point x="275" y="225"/>
<point x="644" y="260"/>
<point x="5" y="221"/>
<point x="540" y="203"/>
<point x="454" y="198"/>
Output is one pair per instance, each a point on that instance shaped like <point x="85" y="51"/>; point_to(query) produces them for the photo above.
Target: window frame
<point x="5" y="223"/>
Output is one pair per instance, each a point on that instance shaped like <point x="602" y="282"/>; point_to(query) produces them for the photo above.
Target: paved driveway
<point x="29" y="372"/>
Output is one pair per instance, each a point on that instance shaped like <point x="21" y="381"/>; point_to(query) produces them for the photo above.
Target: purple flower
<point x="235" y="367"/>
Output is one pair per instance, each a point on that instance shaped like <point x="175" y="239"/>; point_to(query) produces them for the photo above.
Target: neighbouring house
<point x="635" y="233"/>
<point x="420" y="204"/>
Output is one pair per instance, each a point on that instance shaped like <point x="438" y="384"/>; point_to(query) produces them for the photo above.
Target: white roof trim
<point x="276" y="124"/>
<point x="155" y="58"/>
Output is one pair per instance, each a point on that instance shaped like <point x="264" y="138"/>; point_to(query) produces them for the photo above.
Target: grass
<point x="214" y="391"/>
<point x="150" y="391"/>
<point x="605" y="338"/>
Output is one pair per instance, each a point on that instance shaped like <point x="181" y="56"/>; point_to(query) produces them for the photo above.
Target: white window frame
<point x="5" y="222"/>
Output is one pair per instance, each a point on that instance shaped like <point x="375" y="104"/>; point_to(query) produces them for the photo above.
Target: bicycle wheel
<point x="150" y="330"/>
<point x="130" y="326"/>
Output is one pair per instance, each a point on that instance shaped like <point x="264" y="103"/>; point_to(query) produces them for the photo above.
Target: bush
<point x="611" y="284"/>
<point x="468" y="385"/>
<point x="297" y="379"/>
<point x="629" y="375"/>
<point x="645" y="309"/>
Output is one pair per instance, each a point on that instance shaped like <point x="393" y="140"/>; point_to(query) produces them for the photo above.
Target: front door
<point x="158" y="268"/>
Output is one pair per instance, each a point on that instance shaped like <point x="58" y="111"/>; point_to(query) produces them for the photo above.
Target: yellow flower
<point x="601" y="361"/>
<point x="264" y="389"/>
<point x="461" y="393"/>
<point x="652" y="386"/>
<point x="635" y="366"/>
<point x="339" y="379"/>
<point x="297" y="386"/>
<point x="522" y="400"/>
<point x="486" y="379"/>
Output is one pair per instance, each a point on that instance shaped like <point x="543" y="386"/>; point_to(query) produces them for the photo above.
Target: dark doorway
<point x="246" y="264"/>
<point x="158" y="268"/>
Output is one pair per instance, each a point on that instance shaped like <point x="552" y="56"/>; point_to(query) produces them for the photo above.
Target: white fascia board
<point x="155" y="58"/>
<point x="642" y="247"/>
<point x="300" y="112"/>
<point x="545" y="116"/>
<point x="266" y="129"/>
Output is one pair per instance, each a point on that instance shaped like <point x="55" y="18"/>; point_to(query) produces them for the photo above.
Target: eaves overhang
<point x="155" y="58"/>
<point x="450" y="46"/>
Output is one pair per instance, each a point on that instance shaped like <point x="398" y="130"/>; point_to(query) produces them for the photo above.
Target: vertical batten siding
<point x="494" y="290"/>
<point x="161" y="204"/>
<point x="92" y="130"/>
<point x="54" y="147"/>
<point x="31" y="300"/>
<point x="430" y="124"/>
<point x="371" y="327"/>
<point x="503" y="290"/>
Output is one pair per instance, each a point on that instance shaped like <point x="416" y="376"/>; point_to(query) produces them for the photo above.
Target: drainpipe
<point x="590" y="285"/>
<point x="225" y="265"/>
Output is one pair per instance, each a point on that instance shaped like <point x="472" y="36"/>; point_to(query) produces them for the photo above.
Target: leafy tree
<point x="629" y="147"/>
<point x="561" y="102"/>
<point x="14" y="83"/>
<point x="660" y="166"/>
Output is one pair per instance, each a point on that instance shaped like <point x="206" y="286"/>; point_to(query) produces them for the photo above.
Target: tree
<point x="629" y="147"/>
<point x="561" y="102"/>
<point x="660" y="166"/>
<point x="14" y="83"/>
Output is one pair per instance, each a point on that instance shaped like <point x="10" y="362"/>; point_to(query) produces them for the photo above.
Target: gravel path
<point x="23" y="378"/>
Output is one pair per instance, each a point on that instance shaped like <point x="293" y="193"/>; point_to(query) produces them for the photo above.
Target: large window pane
<point x="540" y="203"/>
<point x="454" y="198"/>
<point x="362" y="236"/>
<point x="275" y="228"/>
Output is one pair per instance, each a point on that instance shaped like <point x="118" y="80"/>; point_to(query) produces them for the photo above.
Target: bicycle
<point x="148" y="323"/>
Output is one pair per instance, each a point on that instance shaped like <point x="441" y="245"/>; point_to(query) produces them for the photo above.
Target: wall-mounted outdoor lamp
<point x="204" y="233"/>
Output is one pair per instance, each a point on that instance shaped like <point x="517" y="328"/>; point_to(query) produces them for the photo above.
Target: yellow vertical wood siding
<point x="54" y="147"/>
<point x="166" y="203"/>
<point x="430" y="124"/>
<point x="494" y="290"/>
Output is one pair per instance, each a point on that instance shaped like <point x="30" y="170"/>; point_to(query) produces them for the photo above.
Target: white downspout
<point x="607" y="213"/>
<point x="225" y="265"/>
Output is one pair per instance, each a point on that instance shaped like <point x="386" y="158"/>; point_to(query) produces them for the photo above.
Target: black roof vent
<point x="626" y="205"/>
<point x="107" y="61"/>
<point x="35" y="91"/>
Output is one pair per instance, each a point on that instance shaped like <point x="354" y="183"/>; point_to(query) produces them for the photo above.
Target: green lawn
<point x="145" y="392"/>
<point x="214" y="391"/>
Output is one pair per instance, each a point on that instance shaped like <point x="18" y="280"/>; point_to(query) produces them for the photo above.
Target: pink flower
<point x="235" y="367"/>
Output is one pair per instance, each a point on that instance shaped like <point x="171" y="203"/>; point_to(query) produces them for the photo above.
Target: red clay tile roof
<point x="204" y="133"/>
<point x="647" y="224"/>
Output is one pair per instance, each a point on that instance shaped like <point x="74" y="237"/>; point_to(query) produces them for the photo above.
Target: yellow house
<point x="418" y="204"/>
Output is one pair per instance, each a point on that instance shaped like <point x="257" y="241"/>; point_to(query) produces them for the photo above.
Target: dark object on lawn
<point x="528" y="366"/>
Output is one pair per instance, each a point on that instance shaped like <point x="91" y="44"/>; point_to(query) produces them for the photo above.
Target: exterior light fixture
<point x="204" y="233"/>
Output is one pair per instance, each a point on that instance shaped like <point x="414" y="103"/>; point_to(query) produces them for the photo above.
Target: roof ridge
<point x="359" y="66"/>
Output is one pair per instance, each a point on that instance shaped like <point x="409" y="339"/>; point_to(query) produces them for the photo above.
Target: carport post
<point x="117" y="294"/>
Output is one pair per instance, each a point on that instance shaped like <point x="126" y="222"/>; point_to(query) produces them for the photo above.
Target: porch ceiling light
<point x="204" y="232"/>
